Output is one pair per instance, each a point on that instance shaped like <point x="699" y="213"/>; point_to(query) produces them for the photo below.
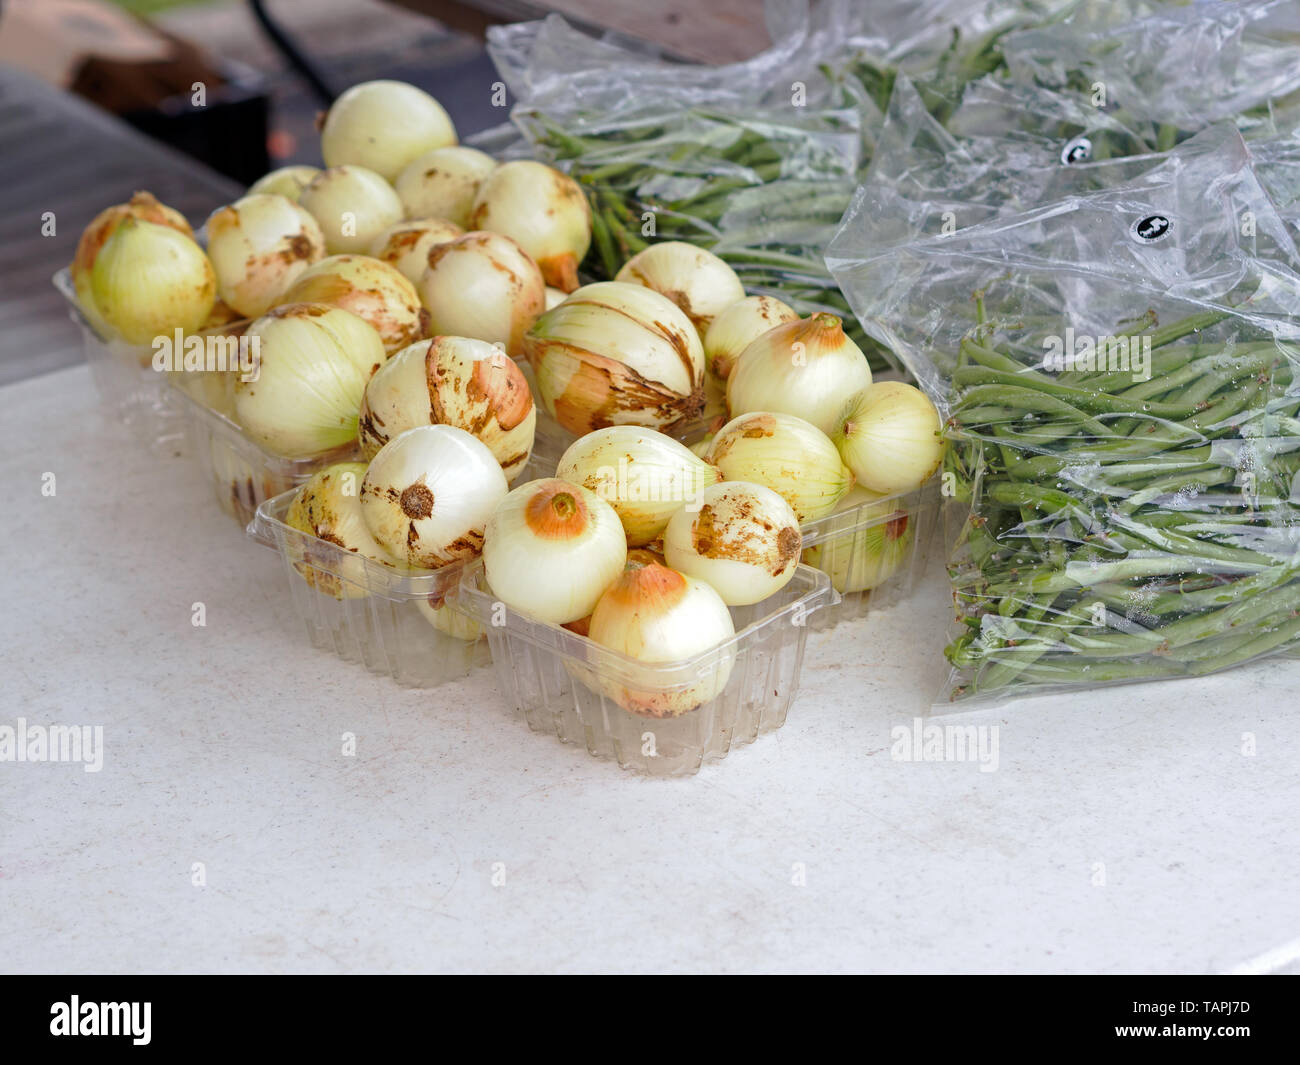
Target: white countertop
<point x="1123" y="830"/>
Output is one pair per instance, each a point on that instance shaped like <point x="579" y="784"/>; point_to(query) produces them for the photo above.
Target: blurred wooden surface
<point x="716" y="31"/>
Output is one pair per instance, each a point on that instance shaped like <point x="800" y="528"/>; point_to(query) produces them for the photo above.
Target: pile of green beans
<point x="1123" y="530"/>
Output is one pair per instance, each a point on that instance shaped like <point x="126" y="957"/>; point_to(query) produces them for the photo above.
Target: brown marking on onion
<point x="555" y="512"/>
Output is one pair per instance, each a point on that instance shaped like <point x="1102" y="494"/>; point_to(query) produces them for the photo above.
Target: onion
<point x="145" y="207"/>
<point x="655" y="614"/>
<point x="644" y="475"/>
<point x="554" y="297"/>
<point x="804" y="368"/>
<point x="865" y="558"/>
<point x="449" y="621"/>
<point x="407" y="244"/>
<point x="150" y="279"/>
<point x="544" y="211"/>
<point x="383" y="125"/>
<point x="442" y="183"/>
<point x="551" y="549"/>
<point x="452" y="381"/>
<point x="328" y="506"/>
<point x="739" y="326"/>
<point x="258" y="246"/>
<point x="700" y="283"/>
<point x="353" y="205"/>
<point x="429" y="492"/>
<point x="483" y="286"/>
<point x="617" y="354"/>
<point x="370" y="289"/>
<point x="743" y="539"/>
<point x="786" y="454"/>
<point x="890" y="437"/>
<point x="288" y="181"/>
<point x="314" y="362"/>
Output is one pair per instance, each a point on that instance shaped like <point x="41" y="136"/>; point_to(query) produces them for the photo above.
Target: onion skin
<point x="644" y="475"/>
<point x="890" y="435"/>
<point x="314" y="362"/>
<point x="655" y="614"/>
<point x="143" y="206"/>
<point x="551" y="549"/>
<point x="443" y="183"/>
<point x="407" y="244"/>
<point x="469" y="384"/>
<point x="352" y="205"/>
<point x="384" y="125"/>
<point x="740" y="325"/>
<point x="483" y="286"/>
<point x="150" y="279"/>
<point x="786" y="454"/>
<point x="328" y="507"/>
<point x="372" y="290"/>
<point x="287" y="181"/>
<point x="448" y="621"/>
<point x="258" y="246"/>
<point x="744" y="540"/>
<point x="696" y="280"/>
<point x="865" y="559"/>
<point x="617" y="354"/>
<point x="805" y="368"/>
<point x="429" y="493"/>
<point x="541" y="209"/>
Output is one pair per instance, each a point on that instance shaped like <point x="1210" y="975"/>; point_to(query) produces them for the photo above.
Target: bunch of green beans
<point x="1123" y="530"/>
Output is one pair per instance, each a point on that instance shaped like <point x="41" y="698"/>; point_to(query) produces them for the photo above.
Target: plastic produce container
<point x="129" y="387"/>
<point x="367" y="612"/>
<point x="565" y="684"/>
<point x="848" y="547"/>
<point x="243" y="474"/>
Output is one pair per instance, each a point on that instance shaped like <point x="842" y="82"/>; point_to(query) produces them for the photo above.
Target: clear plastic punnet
<point x="724" y="697"/>
<point x="394" y="622"/>
<point x="1119" y="370"/>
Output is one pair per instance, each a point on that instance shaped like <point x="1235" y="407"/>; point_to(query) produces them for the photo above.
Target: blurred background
<point x="195" y="99"/>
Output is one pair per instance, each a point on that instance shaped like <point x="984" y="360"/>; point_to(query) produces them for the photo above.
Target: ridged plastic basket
<point x="567" y="685"/>
<point x="131" y="390"/>
<point x="364" y="611"/>
<point x="243" y="474"/>
<point x="846" y="546"/>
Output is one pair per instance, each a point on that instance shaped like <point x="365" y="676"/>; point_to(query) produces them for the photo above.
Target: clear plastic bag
<point x="1120" y="374"/>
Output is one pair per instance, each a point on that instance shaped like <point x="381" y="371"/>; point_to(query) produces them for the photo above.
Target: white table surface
<point x="223" y="746"/>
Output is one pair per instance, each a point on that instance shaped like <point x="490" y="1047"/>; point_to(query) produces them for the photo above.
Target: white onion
<point x="470" y="384"/>
<point x="617" y="354"/>
<point x="655" y="614"/>
<point x="544" y="211"/>
<point x="700" y="283"/>
<point x="370" y="289"/>
<point x="353" y="205"/>
<point x="786" y="454"/>
<point x="150" y="279"/>
<point x="551" y="549"/>
<point x="328" y="507"/>
<point x="429" y="492"/>
<point x="383" y="125"/>
<point x="742" y="538"/>
<point x="314" y="362"/>
<point x="288" y="181"/>
<point x="739" y="326"/>
<point x="644" y="475"/>
<point x="554" y="297"/>
<point x="890" y="437"/>
<point x="407" y="244"/>
<point x="258" y="247"/>
<point x="442" y="183"/>
<point x="806" y="368"/>
<point x="449" y="621"/>
<point x="482" y="285"/>
<point x="866" y="557"/>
